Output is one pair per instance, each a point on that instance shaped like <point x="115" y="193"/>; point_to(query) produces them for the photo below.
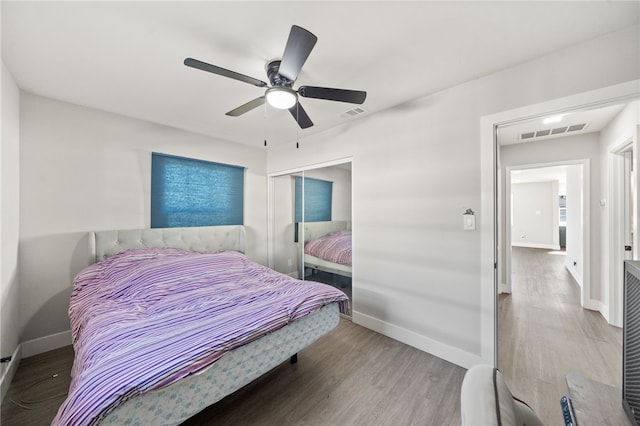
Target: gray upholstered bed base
<point x="183" y="399"/>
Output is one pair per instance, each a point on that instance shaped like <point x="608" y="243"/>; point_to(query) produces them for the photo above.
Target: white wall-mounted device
<point x="469" y="220"/>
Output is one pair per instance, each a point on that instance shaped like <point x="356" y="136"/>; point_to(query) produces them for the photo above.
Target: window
<point x="317" y="201"/>
<point x="190" y="192"/>
<point x="563" y="210"/>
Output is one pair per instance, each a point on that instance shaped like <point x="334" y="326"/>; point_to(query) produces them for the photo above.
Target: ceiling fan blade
<point x="296" y="52"/>
<point x="246" y="107"/>
<point x="340" y="95"/>
<point x="300" y="115"/>
<point x="194" y="63"/>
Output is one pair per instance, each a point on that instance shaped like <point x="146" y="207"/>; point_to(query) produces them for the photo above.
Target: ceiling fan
<point x="282" y="74"/>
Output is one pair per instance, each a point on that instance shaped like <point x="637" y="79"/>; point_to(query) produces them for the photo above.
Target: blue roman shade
<point x="189" y="192"/>
<point x="317" y="201"/>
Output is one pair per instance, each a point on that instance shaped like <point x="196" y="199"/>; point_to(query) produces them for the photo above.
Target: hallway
<point x="545" y="334"/>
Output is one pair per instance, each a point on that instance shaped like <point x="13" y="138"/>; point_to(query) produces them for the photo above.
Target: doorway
<point x="491" y="235"/>
<point x="546" y="207"/>
<point x="542" y="338"/>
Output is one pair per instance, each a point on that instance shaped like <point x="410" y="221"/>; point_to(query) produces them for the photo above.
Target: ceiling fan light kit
<point x="282" y="74"/>
<point x="281" y="97"/>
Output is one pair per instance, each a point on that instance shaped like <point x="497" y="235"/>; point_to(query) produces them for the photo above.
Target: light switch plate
<point x="469" y="222"/>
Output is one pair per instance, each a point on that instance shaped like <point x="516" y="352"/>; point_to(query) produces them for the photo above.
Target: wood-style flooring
<point x="352" y="376"/>
<point x="545" y="334"/>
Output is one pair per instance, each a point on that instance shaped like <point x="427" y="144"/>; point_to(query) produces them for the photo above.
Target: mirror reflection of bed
<point x="324" y="253"/>
<point x="320" y="196"/>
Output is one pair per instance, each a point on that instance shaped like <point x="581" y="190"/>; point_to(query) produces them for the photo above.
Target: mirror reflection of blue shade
<point x="317" y="197"/>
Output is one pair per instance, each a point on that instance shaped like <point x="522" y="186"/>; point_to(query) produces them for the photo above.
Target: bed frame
<point x="312" y="231"/>
<point x="185" y="398"/>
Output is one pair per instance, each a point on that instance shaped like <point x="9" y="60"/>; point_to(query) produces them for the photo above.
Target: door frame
<point x="489" y="167"/>
<point x="613" y="310"/>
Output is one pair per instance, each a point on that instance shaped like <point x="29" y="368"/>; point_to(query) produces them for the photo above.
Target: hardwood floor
<point x="545" y="334"/>
<point x="352" y="376"/>
<point x="34" y="382"/>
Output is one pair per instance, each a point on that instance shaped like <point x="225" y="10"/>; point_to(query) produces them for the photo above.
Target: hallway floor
<point x="545" y="334"/>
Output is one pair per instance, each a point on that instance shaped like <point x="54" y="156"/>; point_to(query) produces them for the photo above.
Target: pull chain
<point x="264" y="125"/>
<point x="298" y="123"/>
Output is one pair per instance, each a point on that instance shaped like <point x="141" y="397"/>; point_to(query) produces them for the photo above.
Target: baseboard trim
<point x="411" y="338"/>
<point x="574" y="274"/>
<point x="9" y="372"/>
<point x="536" y="245"/>
<point x="597" y="305"/>
<point x="46" y="343"/>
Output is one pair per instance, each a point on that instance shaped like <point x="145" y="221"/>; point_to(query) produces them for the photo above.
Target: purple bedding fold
<point x="335" y="247"/>
<point x="144" y="318"/>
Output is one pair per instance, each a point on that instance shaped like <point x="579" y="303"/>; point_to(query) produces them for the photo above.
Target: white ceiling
<point x="127" y="57"/>
<point x="539" y="174"/>
<point x="542" y="174"/>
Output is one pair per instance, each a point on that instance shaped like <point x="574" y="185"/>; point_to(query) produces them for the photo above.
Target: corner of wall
<point x="9" y="372"/>
<point x="45" y="344"/>
<point x="452" y="354"/>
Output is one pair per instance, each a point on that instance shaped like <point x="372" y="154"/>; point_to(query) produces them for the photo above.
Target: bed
<point x="321" y="234"/>
<point x="142" y="314"/>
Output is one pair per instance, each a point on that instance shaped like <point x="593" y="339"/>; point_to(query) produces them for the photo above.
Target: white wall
<point x="9" y="217"/>
<point x="82" y="170"/>
<point x="418" y="276"/>
<point x="535" y="214"/>
<point x="574" y="261"/>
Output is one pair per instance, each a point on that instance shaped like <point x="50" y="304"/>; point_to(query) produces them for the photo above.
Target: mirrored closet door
<point x="312" y="208"/>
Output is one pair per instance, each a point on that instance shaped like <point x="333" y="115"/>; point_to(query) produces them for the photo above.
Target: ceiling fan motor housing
<point x="276" y="79"/>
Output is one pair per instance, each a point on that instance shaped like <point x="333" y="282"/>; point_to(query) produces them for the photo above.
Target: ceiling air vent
<point x="576" y="127"/>
<point x="353" y="112"/>
<point x="527" y="135"/>
<point x="552" y="132"/>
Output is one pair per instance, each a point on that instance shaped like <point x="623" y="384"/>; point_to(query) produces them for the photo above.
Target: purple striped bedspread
<point x="144" y="318"/>
<point x="335" y="247"/>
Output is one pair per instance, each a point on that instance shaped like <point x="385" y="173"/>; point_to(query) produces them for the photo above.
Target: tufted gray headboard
<point x="103" y="244"/>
